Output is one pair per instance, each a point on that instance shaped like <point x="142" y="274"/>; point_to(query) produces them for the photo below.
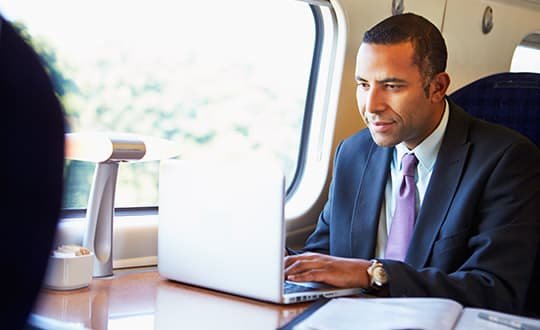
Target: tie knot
<point x="408" y="164"/>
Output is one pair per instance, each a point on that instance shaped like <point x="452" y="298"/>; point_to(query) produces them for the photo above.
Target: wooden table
<point x="142" y="299"/>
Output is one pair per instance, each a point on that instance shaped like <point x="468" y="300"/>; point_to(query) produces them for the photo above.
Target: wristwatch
<point x="377" y="275"/>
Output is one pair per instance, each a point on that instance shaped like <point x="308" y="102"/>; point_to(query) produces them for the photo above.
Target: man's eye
<point x="392" y="86"/>
<point x="363" y="85"/>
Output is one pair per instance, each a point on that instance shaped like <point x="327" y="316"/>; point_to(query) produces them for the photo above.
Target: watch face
<point x="379" y="276"/>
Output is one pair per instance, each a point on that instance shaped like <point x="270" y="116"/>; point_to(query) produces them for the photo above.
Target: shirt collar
<point x="427" y="150"/>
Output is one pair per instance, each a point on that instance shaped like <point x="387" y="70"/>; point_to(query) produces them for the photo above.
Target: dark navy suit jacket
<point x="477" y="233"/>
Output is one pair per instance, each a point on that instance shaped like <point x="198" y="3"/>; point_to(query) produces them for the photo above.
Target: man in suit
<point x="476" y="188"/>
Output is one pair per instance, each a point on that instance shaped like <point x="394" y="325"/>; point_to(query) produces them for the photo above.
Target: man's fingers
<point x="301" y="265"/>
<point x="305" y="256"/>
<point x="311" y="275"/>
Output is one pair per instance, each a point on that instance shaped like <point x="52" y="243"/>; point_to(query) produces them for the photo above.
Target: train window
<point x="527" y="55"/>
<point x="221" y="78"/>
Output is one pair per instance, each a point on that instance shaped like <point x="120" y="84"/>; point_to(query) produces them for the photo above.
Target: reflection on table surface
<point x="142" y="299"/>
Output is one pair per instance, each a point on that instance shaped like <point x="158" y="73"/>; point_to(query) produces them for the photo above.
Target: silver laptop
<point x="221" y="226"/>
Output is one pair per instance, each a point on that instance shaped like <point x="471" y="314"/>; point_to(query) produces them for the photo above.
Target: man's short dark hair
<point x="430" y="52"/>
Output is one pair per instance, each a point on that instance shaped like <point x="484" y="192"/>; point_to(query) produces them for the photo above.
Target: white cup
<point x="69" y="272"/>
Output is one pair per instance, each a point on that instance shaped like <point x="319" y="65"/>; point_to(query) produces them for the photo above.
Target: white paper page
<point x="384" y="314"/>
<point x="470" y="320"/>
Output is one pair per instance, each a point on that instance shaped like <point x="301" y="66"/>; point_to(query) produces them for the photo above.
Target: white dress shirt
<point x="426" y="153"/>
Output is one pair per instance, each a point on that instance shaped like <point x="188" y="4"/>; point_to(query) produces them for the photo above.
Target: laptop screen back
<point x="221" y="226"/>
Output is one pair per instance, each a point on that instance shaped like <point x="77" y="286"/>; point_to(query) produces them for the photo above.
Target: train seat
<point x="511" y="99"/>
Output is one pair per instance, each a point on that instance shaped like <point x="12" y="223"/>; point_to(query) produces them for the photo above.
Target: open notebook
<point x="407" y="313"/>
<point x="221" y="226"/>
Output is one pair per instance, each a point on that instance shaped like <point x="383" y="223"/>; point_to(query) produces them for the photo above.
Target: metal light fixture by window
<point x="107" y="150"/>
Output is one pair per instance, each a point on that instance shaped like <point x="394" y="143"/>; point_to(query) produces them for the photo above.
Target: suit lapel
<point x="444" y="182"/>
<point x="365" y="216"/>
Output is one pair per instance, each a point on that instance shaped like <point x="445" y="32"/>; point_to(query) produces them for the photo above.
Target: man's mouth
<point x="381" y="126"/>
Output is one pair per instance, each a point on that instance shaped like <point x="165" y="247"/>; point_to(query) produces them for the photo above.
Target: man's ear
<point x="438" y="87"/>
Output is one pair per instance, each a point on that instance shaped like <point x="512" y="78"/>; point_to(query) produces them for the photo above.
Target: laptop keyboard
<point x="295" y="288"/>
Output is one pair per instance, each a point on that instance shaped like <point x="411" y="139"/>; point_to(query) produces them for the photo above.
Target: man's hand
<point x="336" y="271"/>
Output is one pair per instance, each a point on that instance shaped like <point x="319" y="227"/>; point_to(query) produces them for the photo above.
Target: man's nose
<point x="374" y="100"/>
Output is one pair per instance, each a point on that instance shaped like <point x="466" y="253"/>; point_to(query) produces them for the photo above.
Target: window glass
<point x="527" y="55"/>
<point x="223" y="79"/>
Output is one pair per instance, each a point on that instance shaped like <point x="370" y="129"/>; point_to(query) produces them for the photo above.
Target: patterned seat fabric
<point x="511" y="99"/>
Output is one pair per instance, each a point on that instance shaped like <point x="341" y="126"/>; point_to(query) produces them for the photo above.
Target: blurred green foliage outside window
<point x="221" y="79"/>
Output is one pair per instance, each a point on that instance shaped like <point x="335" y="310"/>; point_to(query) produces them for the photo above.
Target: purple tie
<point x="405" y="213"/>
